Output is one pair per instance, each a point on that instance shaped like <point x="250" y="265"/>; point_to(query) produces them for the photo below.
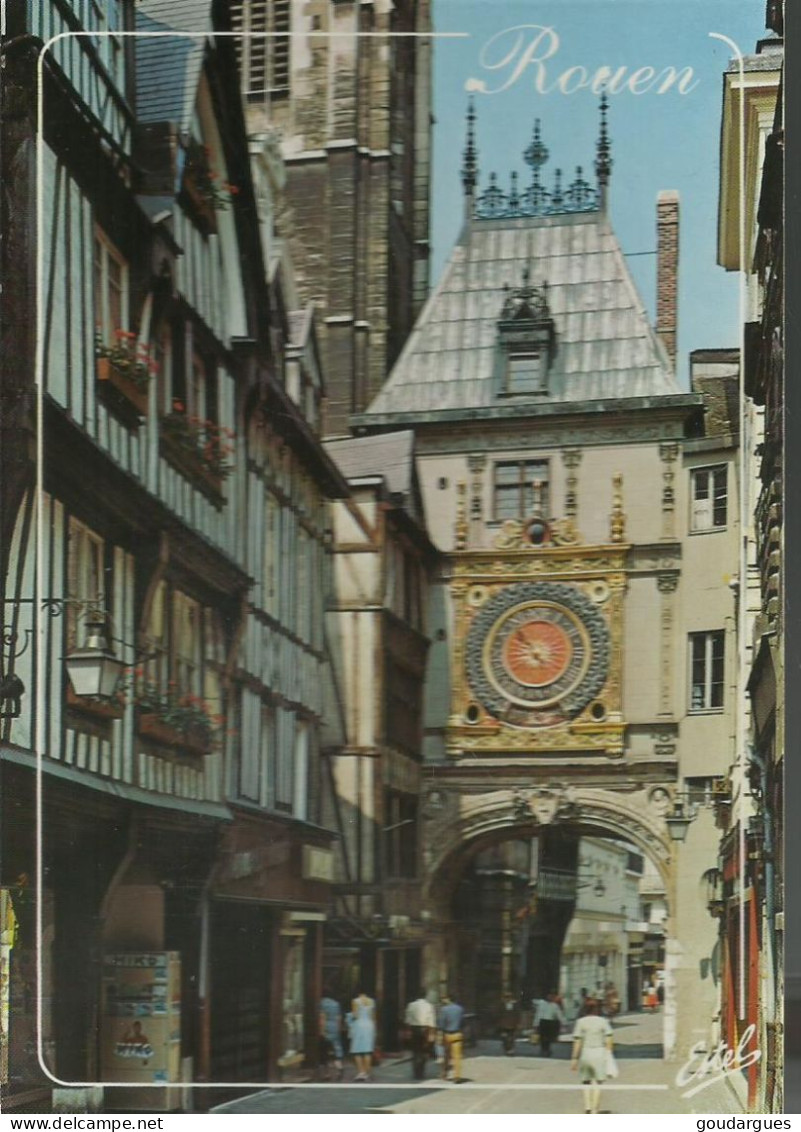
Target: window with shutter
<point x="708" y="498"/>
<point x="85" y="578"/>
<point x="110" y="282"/>
<point x="707" y="665"/>
<point x="519" y="488"/>
<point x="263" y="46"/>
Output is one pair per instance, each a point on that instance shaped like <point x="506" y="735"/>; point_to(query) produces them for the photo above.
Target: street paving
<point x="492" y="1084"/>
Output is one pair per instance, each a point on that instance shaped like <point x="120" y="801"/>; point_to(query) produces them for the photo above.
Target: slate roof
<point x="606" y="346"/>
<point x="390" y="454"/>
<point x="168" y="67"/>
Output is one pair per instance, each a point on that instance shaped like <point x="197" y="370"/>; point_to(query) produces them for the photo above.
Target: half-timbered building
<point x="379" y="639"/>
<point x="163" y="508"/>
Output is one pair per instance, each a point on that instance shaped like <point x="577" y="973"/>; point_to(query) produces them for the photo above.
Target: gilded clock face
<point x="537" y="653"/>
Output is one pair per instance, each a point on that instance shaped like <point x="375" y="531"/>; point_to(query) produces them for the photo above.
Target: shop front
<point x="268" y="903"/>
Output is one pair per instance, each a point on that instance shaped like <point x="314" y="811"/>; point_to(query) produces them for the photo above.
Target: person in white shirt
<point x="549" y="1020"/>
<point x="592" y="1049"/>
<point x="422" y="1022"/>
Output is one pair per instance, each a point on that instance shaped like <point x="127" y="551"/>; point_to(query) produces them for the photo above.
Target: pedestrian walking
<point x="611" y="1001"/>
<point x="509" y="1023"/>
<point x="549" y="1021"/>
<point x="422" y="1022"/>
<point x="362" y="1034"/>
<point x="581" y="1003"/>
<point x="331" y="1021"/>
<point x="592" y="1052"/>
<point x="650" y="998"/>
<point x="450" y="1020"/>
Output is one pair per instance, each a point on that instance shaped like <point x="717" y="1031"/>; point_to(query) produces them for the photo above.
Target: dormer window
<point x="525" y="372"/>
<point x="526" y="342"/>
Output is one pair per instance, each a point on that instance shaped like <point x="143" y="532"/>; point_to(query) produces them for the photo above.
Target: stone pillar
<point x="667" y="585"/>
<point x="695" y="960"/>
<point x="571" y="458"/>
<point x="668" y="454"/>
<point x="476" y="466"/>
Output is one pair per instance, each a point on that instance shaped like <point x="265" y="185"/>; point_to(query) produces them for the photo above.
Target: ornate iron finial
<point x="557" y="200"/>
<point x="617" y="520"/>
<point x="536" y="154"/>
<point x="603" y="153"/>
<point x="535" y="199"/>
<point x="470" y="158"/>
<point x="514" y="197"/>
<point x="580" y="196"/>
<point x="603" y="159"/>
<point x="526" y="301"/>
<point x="493" y="202"/>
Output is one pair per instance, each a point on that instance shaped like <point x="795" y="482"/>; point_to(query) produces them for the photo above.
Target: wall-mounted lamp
<point x="94" y="670"/>
<point x="679" y="819"/>
<point x="715" y="900"/>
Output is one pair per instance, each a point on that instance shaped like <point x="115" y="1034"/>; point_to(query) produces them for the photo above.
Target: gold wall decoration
<point x="583" y="583"/>
<point x="460" y="526"/>
<point x="617" y="520"/>
<point x="571" y="457"/>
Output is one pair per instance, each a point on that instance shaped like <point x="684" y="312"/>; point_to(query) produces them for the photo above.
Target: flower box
<point x="87" y="705"/>
<point x="119" y="391"/>
<point x="201" y="206"/>
<point x="190" y="464"/>
<point x="193" y="739"/>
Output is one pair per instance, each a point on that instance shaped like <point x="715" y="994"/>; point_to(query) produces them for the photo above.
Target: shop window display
<point x="293" y="1004"/>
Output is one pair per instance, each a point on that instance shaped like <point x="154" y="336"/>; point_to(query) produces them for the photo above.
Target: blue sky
<point x="659" y="141"/>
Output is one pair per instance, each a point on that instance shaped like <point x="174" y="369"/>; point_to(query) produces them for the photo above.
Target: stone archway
<point x="459" y="821"/>
<point x="455" y="821"/>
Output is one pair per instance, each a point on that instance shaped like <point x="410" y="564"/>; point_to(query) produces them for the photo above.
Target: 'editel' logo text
<point x="704" y="1067"/>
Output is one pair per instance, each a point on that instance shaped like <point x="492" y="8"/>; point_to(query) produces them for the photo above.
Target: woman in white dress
<point x="362" y="1034"/>
<point x="592" y="1048"/>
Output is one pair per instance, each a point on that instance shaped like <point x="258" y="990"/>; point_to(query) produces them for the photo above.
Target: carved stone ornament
<point x="545" y="804"/>
<point x="564" y="532"/>
<point x="514" y="535"/>
<point x="435" y="802"/>
<point x="659" y="800"/>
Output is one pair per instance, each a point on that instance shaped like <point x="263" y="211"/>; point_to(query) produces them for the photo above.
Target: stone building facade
<point x="349" y="94"/>
<point x="752" y="890"/>
<point x="583" y="654"/>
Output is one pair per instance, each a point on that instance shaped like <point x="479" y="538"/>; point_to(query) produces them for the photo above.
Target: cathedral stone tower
<point x="350" y="100"/>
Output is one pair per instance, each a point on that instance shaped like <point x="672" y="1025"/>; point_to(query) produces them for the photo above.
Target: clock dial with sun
<point x="537" y="653"/>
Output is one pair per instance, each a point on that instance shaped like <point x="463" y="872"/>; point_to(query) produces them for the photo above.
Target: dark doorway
<point x="241" y="961"/>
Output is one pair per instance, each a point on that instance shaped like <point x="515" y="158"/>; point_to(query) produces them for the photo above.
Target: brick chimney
<point x="667" y="270"/>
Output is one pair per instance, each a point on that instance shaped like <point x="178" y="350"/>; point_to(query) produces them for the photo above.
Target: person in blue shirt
<point x="451" y="1016"/>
